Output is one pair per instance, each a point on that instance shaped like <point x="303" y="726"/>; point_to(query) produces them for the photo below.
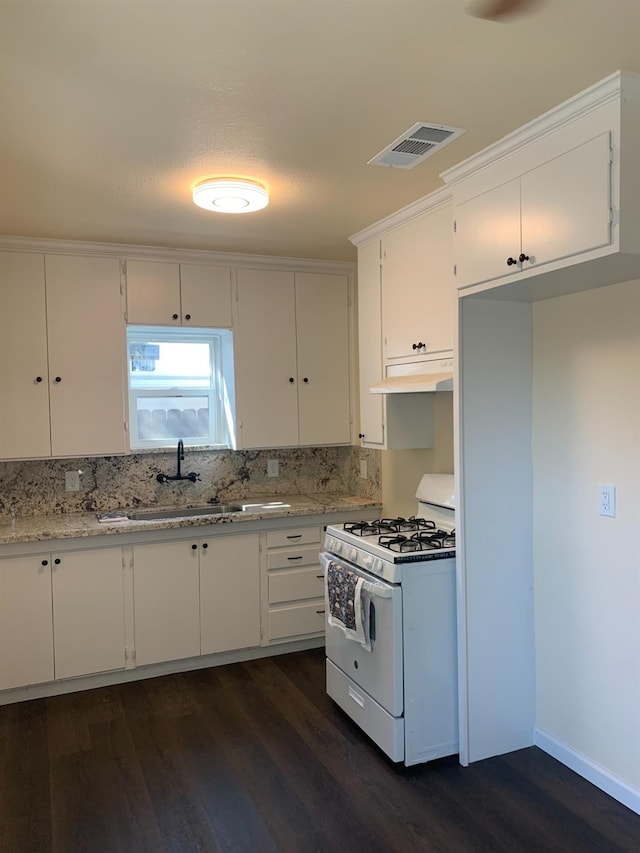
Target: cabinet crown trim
<point x="614" y="87"/>
<point x="160" y="253"/>
<point x="402" y="216"/>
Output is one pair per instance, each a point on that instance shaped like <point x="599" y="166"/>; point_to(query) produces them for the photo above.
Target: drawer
<point x="382" y="728"/>
<point x="290" y="558"/>
<point x="295" y="585"/>
<point x="293" y="536"/>
<point x="296" y="620"/>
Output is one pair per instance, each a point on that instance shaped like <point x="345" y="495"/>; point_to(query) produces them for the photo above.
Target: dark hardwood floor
<point x="255" y="757"/>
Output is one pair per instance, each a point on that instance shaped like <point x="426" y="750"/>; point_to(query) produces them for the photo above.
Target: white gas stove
<point x="395" y="672"/>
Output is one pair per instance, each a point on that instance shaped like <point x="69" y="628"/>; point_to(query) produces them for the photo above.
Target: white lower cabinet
<point x="230" y="593"/>
<point x="196" y="596"/>
<point x="166" y="601"/>
<point x="294" y="599"/>
<point x="61" y="615"/>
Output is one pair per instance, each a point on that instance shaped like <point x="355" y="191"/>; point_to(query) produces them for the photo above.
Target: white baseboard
<point x="588" y="769"/>
<point x="122" y="676"/>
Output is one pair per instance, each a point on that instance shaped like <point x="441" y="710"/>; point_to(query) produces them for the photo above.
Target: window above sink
<point x="180" y="387"/>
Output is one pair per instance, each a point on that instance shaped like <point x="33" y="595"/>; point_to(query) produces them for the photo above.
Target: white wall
<point x="586" y="430"/>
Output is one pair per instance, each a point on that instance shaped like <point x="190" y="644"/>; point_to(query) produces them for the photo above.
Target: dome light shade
<point x="230" y="195"/>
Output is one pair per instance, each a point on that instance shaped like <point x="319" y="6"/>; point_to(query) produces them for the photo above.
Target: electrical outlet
<point x="607" y="500"/>
<point x="363" y="469"/>
<point x="72" y="481"/>
<point x="272" y="468"/>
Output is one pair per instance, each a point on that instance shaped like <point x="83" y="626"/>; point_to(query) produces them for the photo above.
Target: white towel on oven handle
<point x="364" y="591"/>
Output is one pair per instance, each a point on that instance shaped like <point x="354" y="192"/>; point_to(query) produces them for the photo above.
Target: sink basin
<point x="182" y="512"/>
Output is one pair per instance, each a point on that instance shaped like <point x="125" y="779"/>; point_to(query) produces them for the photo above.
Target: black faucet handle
<point x="193" y="476"/>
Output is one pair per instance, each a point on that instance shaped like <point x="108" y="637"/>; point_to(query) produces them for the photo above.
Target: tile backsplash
<point x="120" y="482"/>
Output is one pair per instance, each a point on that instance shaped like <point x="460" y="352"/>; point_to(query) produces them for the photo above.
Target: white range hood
<point x="417" y="377"/>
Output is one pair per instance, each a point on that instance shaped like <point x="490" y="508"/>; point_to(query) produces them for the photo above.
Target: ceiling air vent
<point x="419" y="142"/>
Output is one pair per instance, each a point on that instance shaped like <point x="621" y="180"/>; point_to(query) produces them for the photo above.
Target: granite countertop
<point x="35" y="528"/>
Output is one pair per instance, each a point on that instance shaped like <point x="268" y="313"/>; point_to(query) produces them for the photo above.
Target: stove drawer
<point x="291" y="558"/>
<point x="297" y="620"/>
<point x="386" y="731"/>
<point x="296" y="585"/>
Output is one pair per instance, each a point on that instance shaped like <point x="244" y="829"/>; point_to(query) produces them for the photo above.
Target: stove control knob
<point x="352" y="555"/>
<point x="377" y="566"/>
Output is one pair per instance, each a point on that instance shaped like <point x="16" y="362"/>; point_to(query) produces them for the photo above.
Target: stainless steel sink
<point x="182" y="512"/>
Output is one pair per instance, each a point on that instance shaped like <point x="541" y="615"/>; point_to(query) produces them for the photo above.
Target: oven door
<point x="378" y="672"/>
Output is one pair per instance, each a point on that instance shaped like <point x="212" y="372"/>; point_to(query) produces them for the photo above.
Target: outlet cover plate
<point x="607" y="500"/>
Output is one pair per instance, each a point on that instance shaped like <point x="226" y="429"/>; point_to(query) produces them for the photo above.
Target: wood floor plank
<point x="256" y="757"/>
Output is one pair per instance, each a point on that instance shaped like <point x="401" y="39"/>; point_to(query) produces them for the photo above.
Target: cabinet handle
<point x="511" y="262"/>
<point x="320" y="577"/>
<point x="295" y="558"/>
<point x="187" y="316"/>
<point x="295" y="536"/>
<point x="45" y="562"/>
<point x="57" y="561"/>
<point x="523" y="257"/>
<point x="58" y="379"/>
<point x="291" y="379"/>
<point x="306" y="379"/>
<point x="205" y="545"/>
<point x="320" y="611"/>
<point x="174" y="316"/>
<point x="38" y="378"/>
<point x="360" y="435"/>
<point x="193" y="547"/>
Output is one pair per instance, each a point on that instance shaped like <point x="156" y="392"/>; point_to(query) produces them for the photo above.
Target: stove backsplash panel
<point x="37" y="487"/>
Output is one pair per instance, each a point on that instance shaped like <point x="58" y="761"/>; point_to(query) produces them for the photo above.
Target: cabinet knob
<point x="58" y="379"/>
<point x="38" y="378"/>
<point x="523" y="257"/>
<point x="57" y="561"/>
<point x="174" y="316"/>
<point x="291" y="379"/>
<point x="421" y="345"/>
<point x="360" y="435"/>
<point x="511" y="262"/>
<point x="45" y="562"/>
<point x="306" y="379"/>
<point x="205" y="545"/>
<point x="414" y="346"/>
<point x="193" y="547"/>
<point x="187" y="316"/>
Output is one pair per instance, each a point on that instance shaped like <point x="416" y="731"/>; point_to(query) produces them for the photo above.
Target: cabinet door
<point x="487" y="234"/>
<point x="266" y="359"/>
<point x="229" y="593"/>
<point x="566" y="203"/>
<point x="24" y="413"/>
<point x="418" y="287"/>
<point x="370" y="343"/>
<point x="322" y="325"/>
<point x="153" y="293"/>
<point x="86" y="355"/>
<point x="166" y="608"/>
<point x="88" y="612"/>
<point x="205" y="296"/>
<point x="26" y="627"/>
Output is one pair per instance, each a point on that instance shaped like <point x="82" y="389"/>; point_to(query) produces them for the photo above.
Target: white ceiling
<point x="111" y="110"/>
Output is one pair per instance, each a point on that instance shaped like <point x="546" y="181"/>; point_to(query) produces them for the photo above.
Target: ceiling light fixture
<point x="230" y="195"/>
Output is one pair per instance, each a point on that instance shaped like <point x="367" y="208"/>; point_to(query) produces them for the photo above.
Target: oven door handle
<point x="377" y="590"/>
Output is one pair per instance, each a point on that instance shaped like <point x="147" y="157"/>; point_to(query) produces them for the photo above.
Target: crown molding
<point x="609" y="89"/>
<point x="402" y="216"/>
<point x="157" y="253"/>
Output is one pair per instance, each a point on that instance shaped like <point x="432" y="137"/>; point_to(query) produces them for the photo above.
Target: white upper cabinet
<point x="559" y="209"/>
<point x="418" y="289"/>
<point x="64" y="394"/>
<point x="86" y="334"/>
<point x="170" y="294"/>
<point x="24" y="414"/>
<point x="292" y="358"/>
<point x="553" y="208"/>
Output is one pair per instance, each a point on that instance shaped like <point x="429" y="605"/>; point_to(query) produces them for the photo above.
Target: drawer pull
<point x="319" y="611"/>
<point x="320" y="577"/>
<point x="357" y="698"/>
<point x="295" y="558"/>
<point x="296" y="536"/>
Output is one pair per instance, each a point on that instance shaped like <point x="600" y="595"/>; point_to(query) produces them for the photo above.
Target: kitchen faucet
<point x="165" y="478"/>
